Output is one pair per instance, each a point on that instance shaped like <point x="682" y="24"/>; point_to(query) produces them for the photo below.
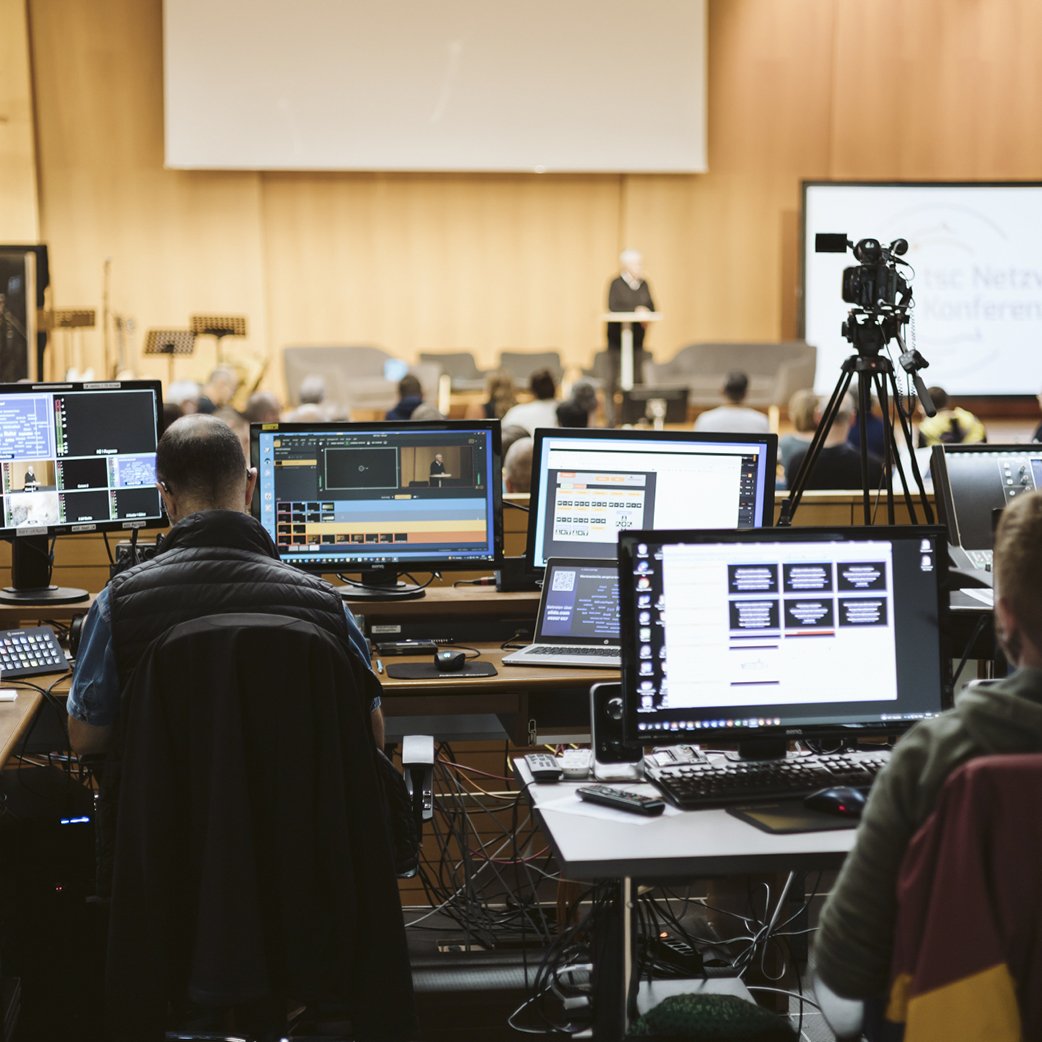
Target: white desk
<point x="598" y="843"/>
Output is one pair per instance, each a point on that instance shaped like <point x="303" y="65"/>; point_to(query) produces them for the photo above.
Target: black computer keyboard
<point x="721" y="783"/>
<point x="30" y="652"/>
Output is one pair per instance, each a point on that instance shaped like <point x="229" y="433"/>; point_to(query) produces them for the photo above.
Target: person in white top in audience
<point x="733" y="417"/>
<point x="542" y="412"/>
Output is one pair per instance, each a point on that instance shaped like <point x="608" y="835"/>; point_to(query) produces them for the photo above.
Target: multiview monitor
<point x="763" y="636"/>
<point x="380" y="499"/>
<point x="590" y="485"/>
<point x="74" y="457"/>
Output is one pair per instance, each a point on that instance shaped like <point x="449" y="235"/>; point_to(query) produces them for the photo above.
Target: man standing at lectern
<point x="629" y="291"/>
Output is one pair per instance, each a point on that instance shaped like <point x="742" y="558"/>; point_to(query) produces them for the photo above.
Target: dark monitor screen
<point x="589" y="485"/>
<point x="781" y="633"/>
<point x="971" y="482"/>
<point x="655" y="403"/>
<point x="78" y="457"/>
<point x="359" y="497"/>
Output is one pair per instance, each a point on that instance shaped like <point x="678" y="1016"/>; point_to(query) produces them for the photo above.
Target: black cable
<point x="516" y="506"/>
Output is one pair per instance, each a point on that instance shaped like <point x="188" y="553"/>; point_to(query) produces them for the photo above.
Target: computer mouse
<point x="449" y="661"/>
<point x="843" y="800"/>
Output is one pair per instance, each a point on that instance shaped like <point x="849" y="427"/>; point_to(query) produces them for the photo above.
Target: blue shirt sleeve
<point x="94" y="696"/>
<point x="360" y="646"/>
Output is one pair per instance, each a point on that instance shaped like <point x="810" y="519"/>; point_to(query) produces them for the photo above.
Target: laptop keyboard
<point x="557" y="649"/>
<point x="979" y="558"/>
<point x="30" y="652"/>
<point x="721" y="783"/>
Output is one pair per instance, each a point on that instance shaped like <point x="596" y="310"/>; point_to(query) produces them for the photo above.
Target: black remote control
<point x="544" y="767"/>
<point x="629" y="801"/>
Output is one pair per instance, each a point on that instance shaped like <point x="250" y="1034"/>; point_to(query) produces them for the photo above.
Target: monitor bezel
<point x="104" y="386"/>
<point x="433" y="564"/>
<point x="784" y="733"/>
<point x="535" y="504"/>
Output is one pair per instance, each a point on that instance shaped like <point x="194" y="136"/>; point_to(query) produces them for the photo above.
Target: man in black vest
<point x="216" y="559"/>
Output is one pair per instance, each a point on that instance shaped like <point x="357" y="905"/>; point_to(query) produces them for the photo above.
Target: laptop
<point x="972" y="484"/>
<point x="578" y="623"/>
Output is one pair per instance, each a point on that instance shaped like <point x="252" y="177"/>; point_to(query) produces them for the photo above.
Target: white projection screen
<point x="976" y="251"/>
<point x="443" y="85"/>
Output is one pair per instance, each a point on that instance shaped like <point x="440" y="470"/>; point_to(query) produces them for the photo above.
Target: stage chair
<point x="459" y="366"/>
<point x="521" y="364"/>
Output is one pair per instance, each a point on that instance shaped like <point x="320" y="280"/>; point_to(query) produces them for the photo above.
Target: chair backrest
<point x="348" y="371"/>
<point x="459" y="365"/>
<point x="252" y="855"/>
<point x="969" y="921"/>
<point x="521" y="364"/>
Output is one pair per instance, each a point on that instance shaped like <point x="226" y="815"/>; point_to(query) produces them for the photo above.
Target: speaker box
<point x="513" y="577"/>
<point x="614" y="759"/>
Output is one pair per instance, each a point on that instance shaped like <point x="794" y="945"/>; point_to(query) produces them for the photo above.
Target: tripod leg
<point x="889" y="447"/>
<point x="906" y="430"/>
<point x="828" y="417"/>
<point x="864" y="406"/>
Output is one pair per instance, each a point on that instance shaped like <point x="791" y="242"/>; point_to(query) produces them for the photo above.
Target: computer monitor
<point x="971" y="482"/>
<point x="762" y="636"/>
<point x="74" y="457"/>
<point x="589" y="485"/>
<point x="380" y="498"/>
<point x="668" y="404"/>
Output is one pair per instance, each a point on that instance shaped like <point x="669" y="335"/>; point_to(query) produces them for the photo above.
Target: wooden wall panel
<point x="797" y="89"/>
<point x="18" y="209"/>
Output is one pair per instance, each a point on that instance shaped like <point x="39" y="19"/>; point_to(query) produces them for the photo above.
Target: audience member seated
<point x="951" y="425"/>
<point x="410" y="394"/>
<point x="874" y="428"/>
<point x="312" y="390"/>
<point x="838" y="465"/>
<point x="733" y="417"/>
<point x="580" y="406"/>
<point x="216" y="558"/>
<point x="803" y="412"/>
<point x="542" y="411"/>
<point x="425" y="412"/>
<point x="500" y="398"/>
<point x="517" y="466"/>
<point x="218" y="390"/>
<point x="262" y="407"/>
<point x="856" y="938"/>
<point x="184" y="394"/>
<point x="508" y="435"/>
<point x="239" y="424"/>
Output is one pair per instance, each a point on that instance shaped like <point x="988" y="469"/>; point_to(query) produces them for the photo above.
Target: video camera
<point x="875" y="282"/>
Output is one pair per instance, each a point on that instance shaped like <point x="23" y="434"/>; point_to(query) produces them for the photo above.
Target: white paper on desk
<point x="568" y="802"/>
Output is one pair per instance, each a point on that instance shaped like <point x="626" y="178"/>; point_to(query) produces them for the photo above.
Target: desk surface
<point x="593" y="842"/>
<point x="15" y="718"/>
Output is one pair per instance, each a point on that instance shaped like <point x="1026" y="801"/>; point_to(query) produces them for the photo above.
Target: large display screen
<point x="352" y="497"/>
<point x="78" y="457"/>
<point x="781" y="632"/>
<point x="590" y="485"/>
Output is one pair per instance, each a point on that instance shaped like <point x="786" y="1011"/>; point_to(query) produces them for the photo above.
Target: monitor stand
<point x="381" y="585"/>
<point x="31" y="576"/>
<point x="763" y="749"/>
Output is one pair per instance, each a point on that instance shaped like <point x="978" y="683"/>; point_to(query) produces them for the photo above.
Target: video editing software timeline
<point x="77" y="457"/>
<point x="781" y="632"/>
<point x="589" y="485"/>
<point x="355" y="497"/>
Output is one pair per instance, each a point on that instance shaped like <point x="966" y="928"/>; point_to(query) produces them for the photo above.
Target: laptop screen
<point x="580" y="603"/>
<point x="780" y="633"/>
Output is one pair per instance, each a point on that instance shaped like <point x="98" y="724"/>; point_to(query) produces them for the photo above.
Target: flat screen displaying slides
<point x="589" y="485"/>
<point x="380" y="498"/>
<point x="74" y="457"/>
<point x="971" y="482"/>
<point x="760" y="637"/>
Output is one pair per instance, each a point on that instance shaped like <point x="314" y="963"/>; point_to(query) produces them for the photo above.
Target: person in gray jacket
<point x="855" y="939"/>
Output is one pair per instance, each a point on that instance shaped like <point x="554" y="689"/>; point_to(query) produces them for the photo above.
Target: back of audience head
<point x="200" y="465"/>
<point x="803" y="410"/>
<point x="221" y="385"/>
<point x="426" y="411"/>
<point x="542" y="385"/>
<point x="575" y="412"/>
<point x="939" y="396"/>
<point x="409" y="386"/>
<point x="517" y="466"/>
<point x="736" y="387"/>
<point x="509" y="434"/>
<point x="263" y="407"/>
<point x="502" y="395"/>
<point x="312" y="389"/>
<point x="1018" y="578"/>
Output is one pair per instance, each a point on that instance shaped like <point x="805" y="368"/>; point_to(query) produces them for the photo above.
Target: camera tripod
<point x="874" y="372"/>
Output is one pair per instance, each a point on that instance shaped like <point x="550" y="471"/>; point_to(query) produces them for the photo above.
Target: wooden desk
<point x="531" y="704"/>
<point x="14" y="615"/>
<point x="17" y="716"/>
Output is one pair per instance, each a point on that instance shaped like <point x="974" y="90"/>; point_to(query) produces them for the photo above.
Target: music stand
<point x="218" y="326"/>
<point x="169" y="342"/>
<point x="70" y="319"/>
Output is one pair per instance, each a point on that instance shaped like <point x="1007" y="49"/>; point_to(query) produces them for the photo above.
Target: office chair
<point x="252" y="860"/>
<point x="967" y="961"/>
